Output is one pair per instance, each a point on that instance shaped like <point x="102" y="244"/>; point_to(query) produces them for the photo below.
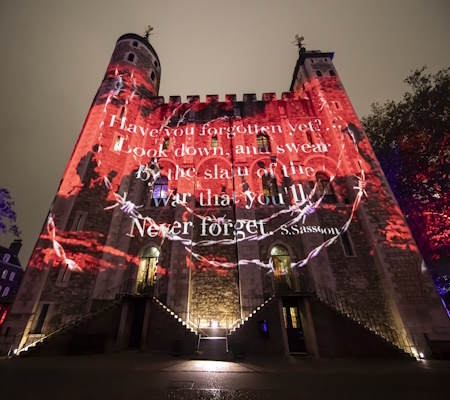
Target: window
<point x="324" y="188"/>
<point x="214" y="141"/>
<point x="5" y="291"/>
<point x="294" y="317"/>
<point x="347" y="245"/>
<point x="4" y="274"/>
<point x="155" y="63"/>
<point x="135" y="44"/>
<point x="6" y="257"/>
<point x="269" y="186"/>
<point x="130" y="57"/>
<point x="40" y="321"/>
<point x="309" y="137"/>
<point x="122" y="111"/>
<point x="78" y="221"/>
<point x="12" y="275"/>
<point x="166" y="144"/>
<point x="160" y="188"/>
<point x="152" y="76"/>
<point x="147" y="268"/>
<point x="118" y="143"/>
<point x="263" y="143"/>
<point x="319" y="73"/>
<point x="281" y="266"/>
<point x="332" y="73"/>
<point x="312" y="61"/>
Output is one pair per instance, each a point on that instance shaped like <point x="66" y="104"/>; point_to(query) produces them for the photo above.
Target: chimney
<point x="15" y="246"/>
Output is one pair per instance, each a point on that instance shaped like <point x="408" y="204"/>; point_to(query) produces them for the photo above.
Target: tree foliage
<point x="411" y="139"/>
<point x="7" y="214"/>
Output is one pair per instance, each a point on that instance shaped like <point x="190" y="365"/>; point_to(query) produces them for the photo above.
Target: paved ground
<point x="147" y="376"/>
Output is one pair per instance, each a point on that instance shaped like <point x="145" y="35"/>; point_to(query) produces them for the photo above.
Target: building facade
<point x="267" y="220"/>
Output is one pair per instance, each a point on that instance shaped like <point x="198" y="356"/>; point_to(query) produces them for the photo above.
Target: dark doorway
<point x="291" y="316"/>
<point x="137" y="323"/>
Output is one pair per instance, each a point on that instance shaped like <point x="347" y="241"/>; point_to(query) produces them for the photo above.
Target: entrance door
<point x="291" y="316"/>
<point x="147" y="269"/>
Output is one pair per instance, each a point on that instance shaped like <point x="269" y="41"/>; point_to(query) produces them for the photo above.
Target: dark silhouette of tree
<point x="7" y="214"/>
<point x="411" y="139"/>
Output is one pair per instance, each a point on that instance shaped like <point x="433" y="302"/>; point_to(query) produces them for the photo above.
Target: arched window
<point x="147" y="268"/>
<point x="130" y="57"/>
<point x="160" y="188"/>
<point x="166" y="144"/>
<point x="324" y="188"/>
<point x="269" y="184"/>
<point x="319" y="73"/>
<point x="263" y="143"/>
<point x="332" y="73"/>
<point x="282" y="271"/>
<point x="214" y="141"/>
<point x="5" y="291"/>
<point x="152" y="76"/>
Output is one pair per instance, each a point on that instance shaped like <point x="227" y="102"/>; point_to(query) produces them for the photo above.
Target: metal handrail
<point x="125" y="288"/>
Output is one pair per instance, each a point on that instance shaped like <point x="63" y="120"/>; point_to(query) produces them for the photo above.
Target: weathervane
<point x="298" y="41"/>
<point x="148" y="31"/>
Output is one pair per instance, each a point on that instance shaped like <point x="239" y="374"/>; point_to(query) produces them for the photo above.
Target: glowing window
<point x="130" y="57"/>
<point x="147" y="268"/>
<point x="309" y="137"/>
<point x="118" y="143"/>
<point x="347" y="245"/>
<point x="332" y="73"/>
<point x="4" y="274"/>
<point x="324" y="188"/>
<point x="152" y="76"/>
<point x="285" y="317"/>
<point x="214" y="141"/>
<point x="166" y="144"/>
<point x="5" y="291"/>
<point x="281" y="264"/>
<point x="12" y="275"/>
<point x="269" y="186"/>
<point x="319" y="73"/>
<point x="263" y="143"/>
<point x="294" y="317"/>
<point x="160" y="188"/>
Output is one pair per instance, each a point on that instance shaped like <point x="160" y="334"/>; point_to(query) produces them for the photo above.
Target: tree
<point x="7" y="214"/>
<point x="411" y="139"/>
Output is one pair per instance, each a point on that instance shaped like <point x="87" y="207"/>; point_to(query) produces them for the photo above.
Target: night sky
<point x="54" y="55"/>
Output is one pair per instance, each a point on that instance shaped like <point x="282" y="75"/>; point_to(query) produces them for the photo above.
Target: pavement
<point x="131" y="375"/>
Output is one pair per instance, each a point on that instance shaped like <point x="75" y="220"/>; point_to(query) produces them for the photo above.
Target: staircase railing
<point x="355" y="312"/>
<point x="38" y="331"/>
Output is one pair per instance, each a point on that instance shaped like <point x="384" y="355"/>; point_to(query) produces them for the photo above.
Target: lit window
<point x="294" y="317"/>
<point x="118" y="143"/>
<point x="5" y="291"/>
<point x="214" y="141"/>
<point x="147" y="268"/>
<point x="160" y="188"/>
<point x="263" y="143"/>
<point x="281" y="266"/>
<point x="4" y="274"/>
<point x="309" y="137"/>
<point x="324" y="188"/>
<point x="130" y="57"/>
<point x="285" y="317"/>
<point x="166" y="144"/>
<point x="347" y="245"/>
<point x="12" y="275"/>
<point x="269" y="186"/>
<point x="319" y="73"/>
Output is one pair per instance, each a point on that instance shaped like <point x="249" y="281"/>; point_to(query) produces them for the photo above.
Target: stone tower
<point x="250" y="217"/>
